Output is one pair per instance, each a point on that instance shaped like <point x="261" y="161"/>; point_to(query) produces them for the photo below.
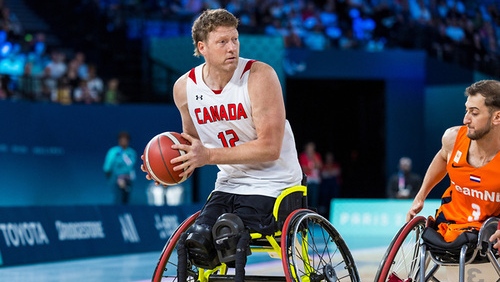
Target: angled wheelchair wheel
<point x="401" y="261"/>
<point x="166" y="268"/>
<point x="312" y="250"/>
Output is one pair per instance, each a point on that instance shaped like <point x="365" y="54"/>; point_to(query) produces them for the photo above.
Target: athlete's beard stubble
<point x="479" y="133"/>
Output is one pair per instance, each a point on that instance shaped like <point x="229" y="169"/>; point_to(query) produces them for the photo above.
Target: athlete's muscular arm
<point x="180" y="100"/>
<point x="268" y="113"/>
<point x="435" y="172"/>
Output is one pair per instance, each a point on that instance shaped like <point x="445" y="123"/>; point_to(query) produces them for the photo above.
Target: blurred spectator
<point x="81" y="65"/>
<point x="308" y="14"/>
<point x="84" y="95"/>
<point x="48" y="86"/>
<point x="63" y="91"/>
<point x="403" y="30"/>
<point x="420" y="12"/>
<point x="311" y="163"/>
<point x="292" y="39"/>
<point x="329" y="19"/>
<point x="113" y="95"/>
<point x="454" y="30"/>
<point x="385" y="19"/>
<point x="275" y="28"/>
<point x="94" y="83"/>
<point x="5" y="90"/>
<point x="38" y="45"/>
<point x="72" y="77"/>
<point x="442" y="45"/>
<point x="57" y="64"/>
<point x="28" y="85"/>
<point x="331" y="179"/>
<point x="316" y="39"/>
<point x="119" y="168"/>
<point x="421" y="16"/>
<point x="34" y="50"/>
<point x="348" y="41"/>
<point x="186" y="10"/>
<point x="247" y="16"/>
<point x="11" y="24"/>
<point x="405" y="183"/>
<point x="363" y="26"/>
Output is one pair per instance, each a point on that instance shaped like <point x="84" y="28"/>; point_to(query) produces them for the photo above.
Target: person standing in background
<point x="404" y="184"/>
<point x="331" y="174"/>
<point x="119" y="167"/>
<point x="95" y="84"/>
<point x="112" y="94"/>
<point x="311" y="163"/>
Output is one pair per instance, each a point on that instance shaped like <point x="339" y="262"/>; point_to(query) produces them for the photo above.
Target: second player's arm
<point x="435" y="172"/>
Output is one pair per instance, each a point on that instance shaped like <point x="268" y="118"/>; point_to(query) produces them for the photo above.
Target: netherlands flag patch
<point x="475" y="178"/>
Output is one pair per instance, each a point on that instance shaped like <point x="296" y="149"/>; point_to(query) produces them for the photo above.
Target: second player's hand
<point x="415" y="208"/>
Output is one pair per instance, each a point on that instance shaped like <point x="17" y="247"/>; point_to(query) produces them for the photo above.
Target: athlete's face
<point x="222" y="48"/>
<point x="477" y="117"/>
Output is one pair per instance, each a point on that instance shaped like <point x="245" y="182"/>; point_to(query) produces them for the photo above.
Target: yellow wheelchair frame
<point x="309" y="247"/>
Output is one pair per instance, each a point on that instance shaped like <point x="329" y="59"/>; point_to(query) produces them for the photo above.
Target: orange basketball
<point x="157" y="156"/>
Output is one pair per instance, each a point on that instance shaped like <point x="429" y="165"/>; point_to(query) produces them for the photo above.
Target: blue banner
<point x="40" y="234"/>
<point x="53" y="154"/>
<point x="374" y="221"/>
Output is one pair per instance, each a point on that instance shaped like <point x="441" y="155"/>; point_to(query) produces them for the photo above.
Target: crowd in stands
<point x="64" y="81"/>
<point x="464" y="32"/>
<point x="33" y="71"/>
<point x="59" y="79"/>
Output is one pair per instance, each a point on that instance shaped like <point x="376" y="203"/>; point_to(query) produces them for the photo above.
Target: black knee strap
<point x="242" y="251"/>
<point x="182" y="258"/>
<point x="200" y="247"/>
<point x="227" y="233"/>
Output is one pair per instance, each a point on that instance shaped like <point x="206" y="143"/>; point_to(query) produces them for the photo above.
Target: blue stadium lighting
<point x="6" y="48"/>
<point x="3" y="36"/>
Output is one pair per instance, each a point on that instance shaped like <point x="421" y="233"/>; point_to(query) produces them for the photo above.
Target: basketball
<point x="157" y="156"/>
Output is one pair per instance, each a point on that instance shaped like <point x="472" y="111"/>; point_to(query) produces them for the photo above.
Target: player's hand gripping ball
<point x="157" y="156"/>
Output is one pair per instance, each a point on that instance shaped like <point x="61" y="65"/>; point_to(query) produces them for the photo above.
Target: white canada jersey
<point x="225" y="120"/>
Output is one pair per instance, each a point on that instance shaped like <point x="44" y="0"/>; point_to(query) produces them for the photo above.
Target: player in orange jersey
<point x="470" y="156"/>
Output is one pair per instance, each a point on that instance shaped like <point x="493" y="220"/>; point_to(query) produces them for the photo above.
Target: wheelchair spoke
<point x="317" y="252"/>
<point x="166" y="269"/>
<point x="401" y="262"/>
<point x="407" y="259"/>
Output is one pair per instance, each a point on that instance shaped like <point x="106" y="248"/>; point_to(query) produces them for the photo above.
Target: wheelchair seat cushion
<point x="449" y="251"/>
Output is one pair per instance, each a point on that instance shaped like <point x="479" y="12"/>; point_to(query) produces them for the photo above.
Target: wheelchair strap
<point x="242" y="249"/>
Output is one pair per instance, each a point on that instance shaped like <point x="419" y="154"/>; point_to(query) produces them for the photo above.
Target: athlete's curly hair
<point x="207" y="22"/>
<point x="489" y="89"/>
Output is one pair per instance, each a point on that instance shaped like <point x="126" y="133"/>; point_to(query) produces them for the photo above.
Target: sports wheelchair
<point x="310" y="248"/>
<point x="418" y="251"/>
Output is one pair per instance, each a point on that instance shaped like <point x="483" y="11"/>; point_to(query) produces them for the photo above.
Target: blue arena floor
<point x="139" y="268"/>
<point x="134" y="267"/>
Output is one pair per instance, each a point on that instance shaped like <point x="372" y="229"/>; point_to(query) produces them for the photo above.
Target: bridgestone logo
<point x="79" y="230"/>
